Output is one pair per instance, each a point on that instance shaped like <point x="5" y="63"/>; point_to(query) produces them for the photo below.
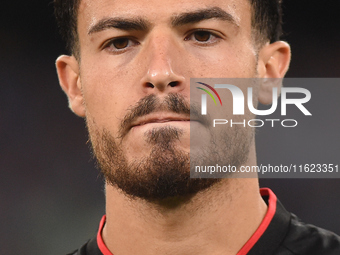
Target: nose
<point x="162" y="61"/>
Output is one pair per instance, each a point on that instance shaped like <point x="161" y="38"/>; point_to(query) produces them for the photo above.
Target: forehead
<point x="156" y="11"/>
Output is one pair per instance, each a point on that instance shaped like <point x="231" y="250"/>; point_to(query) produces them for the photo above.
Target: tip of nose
<point x="157" y="73"/>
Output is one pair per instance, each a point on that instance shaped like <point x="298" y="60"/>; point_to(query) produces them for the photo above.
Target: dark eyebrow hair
<point x="126" y="24"/>
<point x="203" y="14"/>
<point x="141" y="24"/>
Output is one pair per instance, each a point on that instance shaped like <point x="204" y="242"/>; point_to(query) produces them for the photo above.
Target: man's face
<point x="137" y="58"/>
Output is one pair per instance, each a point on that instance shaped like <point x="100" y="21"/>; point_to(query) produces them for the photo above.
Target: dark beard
<point x="165" y="172"/>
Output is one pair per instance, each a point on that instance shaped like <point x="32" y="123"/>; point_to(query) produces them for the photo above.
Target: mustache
<point x="173" y="102"/>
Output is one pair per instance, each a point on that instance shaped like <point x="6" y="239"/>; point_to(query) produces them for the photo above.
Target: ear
<point x="273" y="64"/>
<point x="69" y="79"/>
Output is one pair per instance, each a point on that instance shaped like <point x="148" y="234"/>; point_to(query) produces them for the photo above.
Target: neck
<point x="215" y="221"/>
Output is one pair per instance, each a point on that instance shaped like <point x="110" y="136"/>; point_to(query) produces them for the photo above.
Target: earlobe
<point x="69" y="79"/>
<point x="273" y="64"/>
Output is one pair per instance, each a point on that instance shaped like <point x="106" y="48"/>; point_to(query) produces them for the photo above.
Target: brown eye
<point x="202" y="36"/>
<point x="120" y="43"/>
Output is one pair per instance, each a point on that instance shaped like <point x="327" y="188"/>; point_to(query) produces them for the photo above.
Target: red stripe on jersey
<point x="101" y="245"/>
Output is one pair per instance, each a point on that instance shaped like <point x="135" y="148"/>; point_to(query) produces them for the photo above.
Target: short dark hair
<point x="66" y="13"/>
<point x="266" y="21"/>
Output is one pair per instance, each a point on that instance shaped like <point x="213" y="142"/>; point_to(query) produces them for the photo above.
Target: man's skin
<point x="159" y="59"/>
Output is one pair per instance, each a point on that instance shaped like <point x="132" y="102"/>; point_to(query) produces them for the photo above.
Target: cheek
<point x="105" y="98"/>
<point x="228" y="62"/>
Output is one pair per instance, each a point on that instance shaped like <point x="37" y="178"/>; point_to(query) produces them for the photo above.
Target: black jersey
<point x="280" y="233"/>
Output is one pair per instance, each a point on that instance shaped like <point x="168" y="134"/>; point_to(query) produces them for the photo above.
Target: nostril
<point x="150" y="85"/>
<point x="173" y="84"/>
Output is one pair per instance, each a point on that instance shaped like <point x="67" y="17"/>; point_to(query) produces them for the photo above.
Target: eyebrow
<point x="140" y="24"/>
<point x="203" y="14"/>
<point x="126" y="24"/>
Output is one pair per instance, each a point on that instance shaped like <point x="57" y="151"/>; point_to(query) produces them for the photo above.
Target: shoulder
<point x="89" y="248"/>
<point x="308" y="239"/>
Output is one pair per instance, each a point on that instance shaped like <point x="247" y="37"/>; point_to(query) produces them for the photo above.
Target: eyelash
<point x="109" y="45"/>
<point x="209" y="42"/>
